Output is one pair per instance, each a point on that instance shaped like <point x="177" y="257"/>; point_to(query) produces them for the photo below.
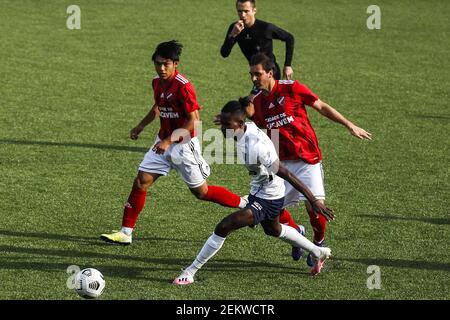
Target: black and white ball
<point x="89" y="283"/>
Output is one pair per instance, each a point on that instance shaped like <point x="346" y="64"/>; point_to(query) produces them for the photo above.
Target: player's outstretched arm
<point x="318" y="207"/>
<point x="328" y="111"/>
<point x="151" y="115"/>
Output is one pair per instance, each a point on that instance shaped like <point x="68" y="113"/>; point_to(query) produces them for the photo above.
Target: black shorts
<point x="263" y="209"/>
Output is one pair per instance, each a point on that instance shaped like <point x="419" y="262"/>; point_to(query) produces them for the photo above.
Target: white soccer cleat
<point x="325" y="253"/>
<point x="183" y="279"/>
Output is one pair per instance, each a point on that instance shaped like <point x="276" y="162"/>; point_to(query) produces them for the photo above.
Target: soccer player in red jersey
<point x="279" y="107"/>
<point x="176" y="145"/>
<point x="253" y="36"/>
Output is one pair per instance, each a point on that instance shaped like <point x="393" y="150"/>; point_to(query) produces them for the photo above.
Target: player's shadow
<point x="400" y="263"/>
<point x="111" y="271"/>
<point x="45" y="236"/>
<point x="263" y="267"/>
<point x="74" y="145"/>
<point x="432" y="220"/>
<point x="20" y="257"/>
<point x="42" y="259"/>
<point x="93" y="240"/>
<point x="45" y="252"/>
<point x="171" y="268"/>
<point x="218" y="264"/>
<point x="433" y="116"/>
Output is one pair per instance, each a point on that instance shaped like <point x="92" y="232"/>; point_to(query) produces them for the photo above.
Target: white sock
<point x="243" y="203"/>
<point x="210" y="248"/>
<point x="127" y="231"/>
<point x="293" y="237"/>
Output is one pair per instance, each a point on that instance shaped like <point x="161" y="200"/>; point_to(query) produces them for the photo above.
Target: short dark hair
<point x="253" y="2"/>
<point x="168" y="50"/>
<point x="264" y="60"/>
<point x="235" y="108"/>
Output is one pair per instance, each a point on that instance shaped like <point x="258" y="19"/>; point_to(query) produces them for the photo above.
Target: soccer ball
<point x="89" y="283"/>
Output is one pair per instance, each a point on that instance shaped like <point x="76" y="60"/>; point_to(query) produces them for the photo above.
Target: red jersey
<point x="284" y="109"/>
<point x="175" y="100"/>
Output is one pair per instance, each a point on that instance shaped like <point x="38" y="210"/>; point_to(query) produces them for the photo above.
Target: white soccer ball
<point x="89" y="283"/>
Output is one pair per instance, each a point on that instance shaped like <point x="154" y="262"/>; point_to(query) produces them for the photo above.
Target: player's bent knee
<point x="271" y="233"/>
<point x="200" y="193"/>
<point x="226" y="226"/>
<point x="143" y="181"/>
<point x="222" y="229"/>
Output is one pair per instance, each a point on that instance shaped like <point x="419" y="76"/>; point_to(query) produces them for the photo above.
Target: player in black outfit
<point x="255" y="36"/>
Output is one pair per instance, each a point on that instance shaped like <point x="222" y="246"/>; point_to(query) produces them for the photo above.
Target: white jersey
<point x="257" y="152"/>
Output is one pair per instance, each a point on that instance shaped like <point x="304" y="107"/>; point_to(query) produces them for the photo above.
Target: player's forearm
<point x="147" y="119"/>
<point x="287" y="38"/>
<point x="296" y="183"/>
<point x="289" y="50"/>
<point x="228" y="44"/>
<point x="189" y="126"/>
<point x="301" y="187"/>
<point x="334" y="115"/>
<point x="183" y="133"/>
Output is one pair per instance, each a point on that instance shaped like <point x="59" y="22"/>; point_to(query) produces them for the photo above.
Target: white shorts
<point x="185" y="158"/>
<point x="310" y="174"/>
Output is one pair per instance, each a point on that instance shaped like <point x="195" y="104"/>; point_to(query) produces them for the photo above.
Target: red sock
<point x="222" y="196"/>
<point x="134" y="206"/>
<point x="319" y="224"/>
<point x="285" y="217"/>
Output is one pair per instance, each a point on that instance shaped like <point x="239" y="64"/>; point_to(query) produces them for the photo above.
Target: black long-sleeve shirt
<point x="258" y="38"/>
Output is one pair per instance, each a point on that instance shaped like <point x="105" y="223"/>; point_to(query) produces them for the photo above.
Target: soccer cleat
<point x="309" y="258"/>
<point x="297" y="252"/>
<point x="325" y="253"/>
<point x="183" y="279"/>
<point x="117" y="238"/>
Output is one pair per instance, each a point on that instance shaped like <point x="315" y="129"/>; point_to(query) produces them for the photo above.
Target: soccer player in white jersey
<point x="266" y="194"/>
